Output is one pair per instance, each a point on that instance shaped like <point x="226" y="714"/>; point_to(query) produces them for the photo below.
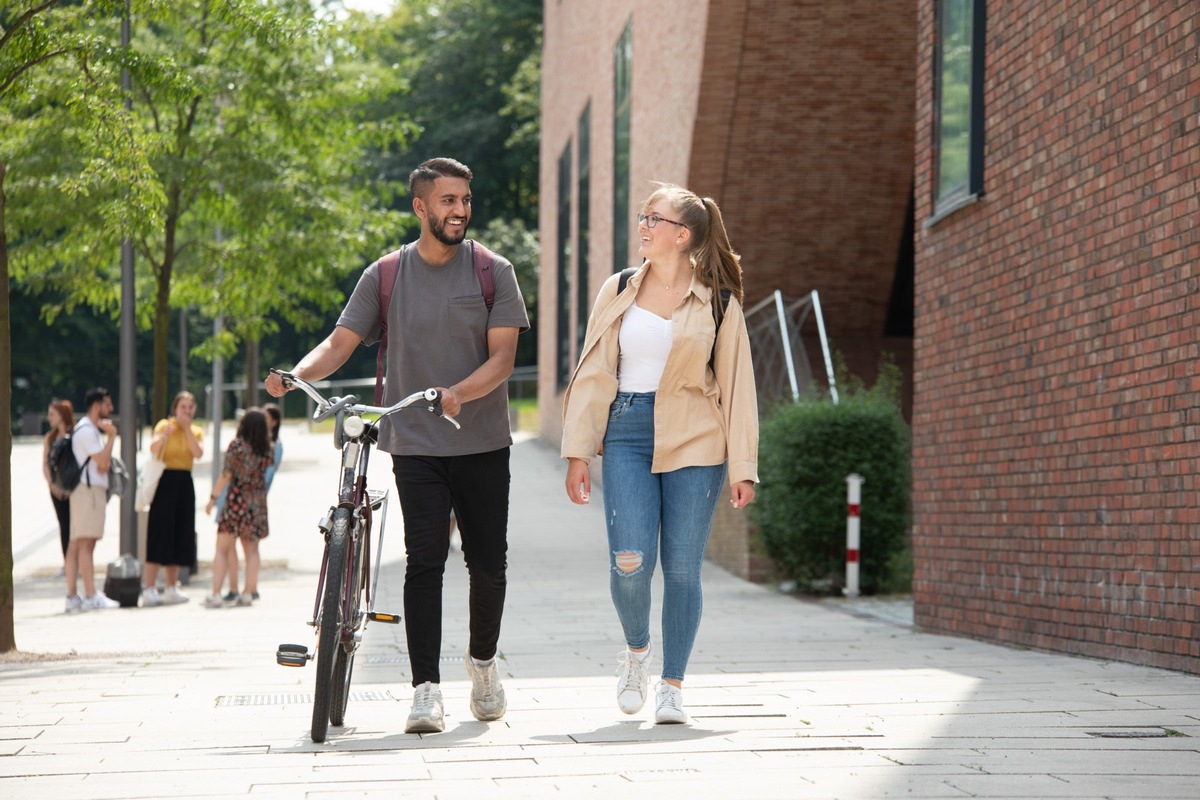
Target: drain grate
<point x="403" y="659"/>
<point x="295" y="698"/>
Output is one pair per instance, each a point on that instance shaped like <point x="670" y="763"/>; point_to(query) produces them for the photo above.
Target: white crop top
<point x="645" y="341"/>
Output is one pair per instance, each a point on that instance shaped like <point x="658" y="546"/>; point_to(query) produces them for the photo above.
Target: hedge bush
<point x="806" y="450"/>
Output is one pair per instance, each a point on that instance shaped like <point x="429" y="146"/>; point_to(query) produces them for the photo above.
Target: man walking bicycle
<point x="442" y="333"/>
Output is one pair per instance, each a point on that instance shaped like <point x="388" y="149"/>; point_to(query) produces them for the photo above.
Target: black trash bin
<point x="123" y="581"/>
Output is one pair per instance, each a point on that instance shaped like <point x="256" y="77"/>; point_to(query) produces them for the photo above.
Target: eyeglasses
<point x="652" y="220"/>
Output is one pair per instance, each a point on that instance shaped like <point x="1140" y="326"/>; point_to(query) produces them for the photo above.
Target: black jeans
<point x="475" y="487"/>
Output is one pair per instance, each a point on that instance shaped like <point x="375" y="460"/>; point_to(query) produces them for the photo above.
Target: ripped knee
<point x="627" y="562"/>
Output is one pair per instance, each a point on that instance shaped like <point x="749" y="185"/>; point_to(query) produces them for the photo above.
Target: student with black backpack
<point x="92" y="444"/>
<point x="665" y="388"/>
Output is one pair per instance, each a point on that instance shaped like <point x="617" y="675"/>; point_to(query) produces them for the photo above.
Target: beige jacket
<point x="700" y="418"/>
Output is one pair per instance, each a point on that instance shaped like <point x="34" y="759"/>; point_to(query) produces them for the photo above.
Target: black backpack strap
<point x="623" y="281"/>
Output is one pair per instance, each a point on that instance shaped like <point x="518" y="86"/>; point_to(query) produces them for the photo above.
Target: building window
<point x="563" y="322"/>
<point x="958" y="73"/>
<point x="623" y="71"/>
<point x="582" y="289"/>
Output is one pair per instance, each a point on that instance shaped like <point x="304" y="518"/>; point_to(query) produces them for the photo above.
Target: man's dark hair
<point x="421" y="178"/>
<point x="93" y="396"/>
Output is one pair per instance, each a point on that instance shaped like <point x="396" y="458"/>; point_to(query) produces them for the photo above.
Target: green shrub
<point x="806" y="450"/>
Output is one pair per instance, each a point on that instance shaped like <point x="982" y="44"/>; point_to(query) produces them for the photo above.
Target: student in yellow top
<point x="171" y="528"/>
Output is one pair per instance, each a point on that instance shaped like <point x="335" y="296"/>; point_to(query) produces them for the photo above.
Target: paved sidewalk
<point x="789" y="698"/>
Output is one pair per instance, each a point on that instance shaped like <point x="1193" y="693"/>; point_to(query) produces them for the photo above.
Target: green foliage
<point x="806" y="452"/>
<point x="247" y="133"/>
<point x="473" y="90"/>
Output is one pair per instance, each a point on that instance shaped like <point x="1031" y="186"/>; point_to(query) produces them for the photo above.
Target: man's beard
<point x="438" y="228"/>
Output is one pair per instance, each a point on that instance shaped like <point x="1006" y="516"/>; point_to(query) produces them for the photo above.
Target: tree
<point x="50" y="60"/>
<point x="247" y="119"/>
<point x="473" y="93"/>
<point x="252" y="112"/>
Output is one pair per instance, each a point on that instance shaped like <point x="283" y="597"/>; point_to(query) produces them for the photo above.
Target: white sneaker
<point x="670" y="705"/>
<point x="151" y="597"/>
<point x="74" y="604"/>
<point x="99" y="602"/>
<point x="243" y="599"/>
<point x="426" y="715"/>
<point x="488" y="703"/>
<point x="171" y="596"/>
<point x="633" y="681"/>
<point x="214" y="601"/>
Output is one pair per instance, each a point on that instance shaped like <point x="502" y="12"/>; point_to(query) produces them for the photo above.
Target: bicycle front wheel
<point x="329" y="636"/>
<point x="343" y="667"/>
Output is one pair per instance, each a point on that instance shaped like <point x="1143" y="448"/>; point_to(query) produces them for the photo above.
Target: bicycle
<point x="338" y="615"/>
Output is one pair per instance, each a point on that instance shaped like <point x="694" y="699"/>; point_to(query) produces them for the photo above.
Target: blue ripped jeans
<point x="651" y="513"/>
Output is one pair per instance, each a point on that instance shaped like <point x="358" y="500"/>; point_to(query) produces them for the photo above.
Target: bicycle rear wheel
<point x="328" y="639"/>
<point x="343" y="667"/>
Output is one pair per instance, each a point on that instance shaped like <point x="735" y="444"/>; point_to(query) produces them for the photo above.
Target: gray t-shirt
<point x="437" y="335"/>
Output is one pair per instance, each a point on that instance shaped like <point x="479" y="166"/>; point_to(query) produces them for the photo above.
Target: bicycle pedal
<point x="292" y="655"/>
<point x="381" y="616"/>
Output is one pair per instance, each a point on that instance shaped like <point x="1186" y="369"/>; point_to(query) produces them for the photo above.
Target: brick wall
<point x="1055" y="422"/>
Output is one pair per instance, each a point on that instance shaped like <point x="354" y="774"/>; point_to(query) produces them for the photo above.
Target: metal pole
<point x="854" y="483"/>
<point x="128" y="376"/>
<point x="833" y="392"/>
<point x="217" y="393"/>
<point x="784" y="334"/>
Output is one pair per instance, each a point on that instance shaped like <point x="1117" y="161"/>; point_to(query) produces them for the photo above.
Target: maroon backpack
<point x="389" y="267"/>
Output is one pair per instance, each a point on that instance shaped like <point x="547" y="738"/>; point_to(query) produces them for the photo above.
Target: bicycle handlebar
<point x="327" y="407"/>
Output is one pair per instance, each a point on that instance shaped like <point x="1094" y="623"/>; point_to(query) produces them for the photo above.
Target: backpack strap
<point x="389" y="268"/>
<point x="483" y="260"/>
<point x="623" y="281"/>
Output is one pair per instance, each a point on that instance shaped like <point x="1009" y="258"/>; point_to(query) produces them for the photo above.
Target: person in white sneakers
<point x="92" y="444"/>
<point x="665" y="387"/>
<point x="442" y="332"/>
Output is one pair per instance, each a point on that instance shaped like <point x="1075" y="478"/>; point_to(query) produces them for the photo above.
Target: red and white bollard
<point x="854" y="483"/>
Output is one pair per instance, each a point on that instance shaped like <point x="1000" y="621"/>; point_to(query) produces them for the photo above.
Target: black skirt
<point x="171" y="528"/>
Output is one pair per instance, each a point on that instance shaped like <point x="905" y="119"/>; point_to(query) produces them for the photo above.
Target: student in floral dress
<point x="244" y="515"/>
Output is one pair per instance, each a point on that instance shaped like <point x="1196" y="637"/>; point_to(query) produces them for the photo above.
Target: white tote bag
<point x="147" y="483"/>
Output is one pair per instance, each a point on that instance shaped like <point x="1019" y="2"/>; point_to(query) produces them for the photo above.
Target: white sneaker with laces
<point x="74" y="604"/>
<point x="488" y="703"/>
<point x="151" y="597"/>
<point x="669" y="710"/>
<point x="214" y="601"/>
<point x="633" y="681"/>
<point x="99" y="602"/>
<point x="426" y="715"/>
<point x="171" y="596"/>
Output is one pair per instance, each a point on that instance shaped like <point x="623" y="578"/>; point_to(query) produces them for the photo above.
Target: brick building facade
<point x="1055" y="417"/>
<point x="795" y="115"/>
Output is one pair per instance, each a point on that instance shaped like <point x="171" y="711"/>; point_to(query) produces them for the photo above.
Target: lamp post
<point x="128" y="371"/>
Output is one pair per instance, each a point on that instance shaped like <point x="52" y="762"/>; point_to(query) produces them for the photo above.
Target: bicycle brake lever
<point x="435" y="406"/>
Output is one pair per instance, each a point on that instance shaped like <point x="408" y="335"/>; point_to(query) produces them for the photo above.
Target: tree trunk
<point x="162" y="332"/>
<point x="8" y="639"/>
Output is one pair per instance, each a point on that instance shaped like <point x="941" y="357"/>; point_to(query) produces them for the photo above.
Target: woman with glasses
<point x="664" y="389"/>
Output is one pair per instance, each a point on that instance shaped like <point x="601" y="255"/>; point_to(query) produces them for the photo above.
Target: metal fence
<point x="782" y="369"/>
